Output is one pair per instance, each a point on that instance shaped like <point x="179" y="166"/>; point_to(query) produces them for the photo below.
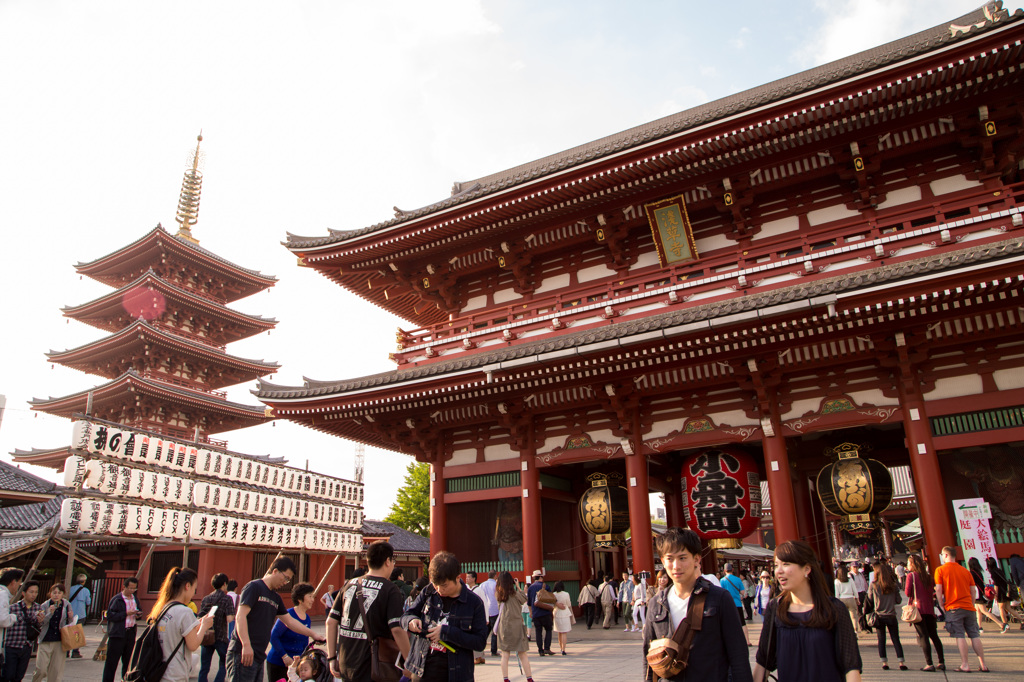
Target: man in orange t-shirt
<point x="955" y="590"/>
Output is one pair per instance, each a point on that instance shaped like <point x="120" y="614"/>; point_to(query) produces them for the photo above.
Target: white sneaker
<point x="626" y="630"/>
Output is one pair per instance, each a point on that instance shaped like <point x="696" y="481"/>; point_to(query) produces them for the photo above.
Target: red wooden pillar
<point x="924" y="464"/>
<point x="674" y="516"/>
<point x="533" y="532"/>
<point x="438" y="512"/>
<point x="582" y="551"/>
<point x="780" y="485"/>
<point x="809" y="515"/>
<point x="639" y="509"/>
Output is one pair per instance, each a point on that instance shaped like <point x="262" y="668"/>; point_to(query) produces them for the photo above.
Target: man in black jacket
<point x="719" y="648"/>
<point x="122" y="611"/>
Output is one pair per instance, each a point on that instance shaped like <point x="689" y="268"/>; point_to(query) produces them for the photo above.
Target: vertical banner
<point x="972" y="522"/>
<point x="670" y="227"/>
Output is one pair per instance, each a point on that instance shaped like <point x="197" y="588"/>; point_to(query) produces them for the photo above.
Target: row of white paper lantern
<point x="101" y="517"/>
<point x="111" y="478"/>
<point x="126" y="444"/>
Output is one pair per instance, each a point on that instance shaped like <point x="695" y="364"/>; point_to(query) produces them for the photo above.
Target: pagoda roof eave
<point x="141" y="327"/>
<point x="52" y="458"/>
<point x="76" y="402"/>
<point x="158" y="235"/>
<point x="700" y="316"/>
<point x="977" y="22"/>
<point x="151" y="278"/>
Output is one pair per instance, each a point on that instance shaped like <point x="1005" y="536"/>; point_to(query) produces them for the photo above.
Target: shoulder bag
<point x="383" y="650"/>
<point x="670" y="656"/>
<point x="545" y="600"/>
<point x="911" y="614"/>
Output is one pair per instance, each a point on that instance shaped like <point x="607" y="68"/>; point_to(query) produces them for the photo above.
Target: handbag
<point x="383" y="650"/>
<point x="911" y="614"/>
<point x="669" y="656"/>
<point x="545" y="600"/>
<point x="72" y="637"/>
<point x="870" y="617"/>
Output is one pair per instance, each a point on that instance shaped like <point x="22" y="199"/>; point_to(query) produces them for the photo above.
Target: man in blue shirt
<point x="493" y="606"/>
<point x="80" y="600"/>
<point x="543" y="620"/>
<point x="626" y="601"/>
<point x="734" y="586"/>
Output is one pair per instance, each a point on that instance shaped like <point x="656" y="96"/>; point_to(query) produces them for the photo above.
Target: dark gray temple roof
<point x="883" y="55"/>
<point x="853" y="281"/>
<point x="14" y="479"/>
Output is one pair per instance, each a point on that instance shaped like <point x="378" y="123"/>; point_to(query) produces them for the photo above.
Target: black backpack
<point x="147" y="662"/>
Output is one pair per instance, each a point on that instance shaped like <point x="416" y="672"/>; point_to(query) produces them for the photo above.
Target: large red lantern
<point x="721" y="497"/>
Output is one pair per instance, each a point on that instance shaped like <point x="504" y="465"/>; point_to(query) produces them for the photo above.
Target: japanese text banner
<point x="670" y="226"/>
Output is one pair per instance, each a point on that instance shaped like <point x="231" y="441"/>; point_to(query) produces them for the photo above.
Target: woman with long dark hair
<point x="509" y="626"/>
<point x="846" y="592"/>
<point x="807" y="635"/>
<point x="920" y="589"/>
<point x="177" y="623"/>
<point x="981" y="602"/>
<point x="1002" y="589"/>
<point x="884" y="595"/>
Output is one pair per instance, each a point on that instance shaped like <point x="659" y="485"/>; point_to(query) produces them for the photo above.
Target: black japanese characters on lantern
<point x="721" y="496"/>
<point x="854" y="488"/>
<point x="604" y="510"/>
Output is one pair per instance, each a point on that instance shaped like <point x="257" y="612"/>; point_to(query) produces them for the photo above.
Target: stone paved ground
<point x="601" y="655"/>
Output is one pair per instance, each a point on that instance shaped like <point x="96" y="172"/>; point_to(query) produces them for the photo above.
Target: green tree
<point x="411" y="509"/>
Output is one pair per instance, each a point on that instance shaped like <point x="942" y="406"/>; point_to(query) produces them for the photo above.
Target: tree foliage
<point x="411" y="509"/>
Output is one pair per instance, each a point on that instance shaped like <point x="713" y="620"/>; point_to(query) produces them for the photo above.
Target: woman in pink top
<point x="920" y="592"/>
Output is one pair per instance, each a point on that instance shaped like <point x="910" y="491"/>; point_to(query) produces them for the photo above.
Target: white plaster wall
<point x="899" y="197"/>
<point x="802" y="407"/>
<point x="645" y="259"/>
<point x="916" y="248"/>
<point x="474" y="303"/>
<point x="552" y="283"/>
<point x="597" y="272"/>
<point x="713" y="243"/>
<point x="462" y="457"/>
<point x="777" y="227"/>
<point x="775" y="280"/>
<point x="952" y="184"/>
<point x="733" y="418"/>
<point x="505" y="295"/>
<point x="830" y="213"/>
<point x="955" y="387"/>
<point x="1009" y="378"/>
<point x="663" y="428"/>
<point x="709" y="294"/>
<point x="872" y="396"/>
<point x="493" y="453"/>
<point x="843" y="264"/>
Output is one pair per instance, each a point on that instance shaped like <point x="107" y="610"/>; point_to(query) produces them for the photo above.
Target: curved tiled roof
<point x="889" y="53"/>
<point x="270" y="393"/>
<point x="31" y="516"/>
<point x="399" y="538"/>
<point x="14" y="479"/>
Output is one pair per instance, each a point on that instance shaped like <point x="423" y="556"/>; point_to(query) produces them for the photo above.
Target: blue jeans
<point x="245" y="673"/>
<point x="206" y="658"/>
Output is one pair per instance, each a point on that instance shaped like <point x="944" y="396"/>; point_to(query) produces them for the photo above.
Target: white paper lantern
<point x="136" y="484"/>
<point x="119" y="520"/>
<point x="71" y="512"/>
<point x="196" y="526"/>
<point x="74" y="471"/>
<point x="106" y="517"/>
<point x="117" y="439"/>
<point x="227" y="465"/>
<point x="90" y="516"/>
<point x="108" y="480"/>
<point x="153" y="450"/>
<point x="124" y="481"/>
<point x="163" y="488"/>
<point x="81" y="434"/>
<point x="93" y="473"/>
<point x="181" y="457"/>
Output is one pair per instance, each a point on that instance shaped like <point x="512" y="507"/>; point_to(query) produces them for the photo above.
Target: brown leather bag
<point x="669" y="656"/>
<point x="383" y="650"/>
<point x="545" y="600"/>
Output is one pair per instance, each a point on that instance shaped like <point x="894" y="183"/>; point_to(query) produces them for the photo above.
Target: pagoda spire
<point x="188" y="202"/>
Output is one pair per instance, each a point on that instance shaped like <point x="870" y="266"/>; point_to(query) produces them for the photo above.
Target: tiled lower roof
<point x="31" y="516"/>
<point x="892" y="273"/>
<point x="14" y="479"/>
<point x="399" y="538"/>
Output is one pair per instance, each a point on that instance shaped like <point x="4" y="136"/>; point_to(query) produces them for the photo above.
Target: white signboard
<point x="972" y="522"/>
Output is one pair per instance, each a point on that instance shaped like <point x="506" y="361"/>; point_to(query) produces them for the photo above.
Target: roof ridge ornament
<point x="188" y="201"/>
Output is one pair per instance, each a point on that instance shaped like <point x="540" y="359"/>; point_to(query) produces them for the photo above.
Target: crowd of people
<point x="440" y="627"/>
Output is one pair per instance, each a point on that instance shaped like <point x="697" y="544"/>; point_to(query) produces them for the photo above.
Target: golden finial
<point x="188" y="202"/>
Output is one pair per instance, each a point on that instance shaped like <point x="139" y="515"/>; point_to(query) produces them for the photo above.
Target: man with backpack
<point x="259" y="607"/>
<point x="122" y="612"/>
<point x="367" y="609"/>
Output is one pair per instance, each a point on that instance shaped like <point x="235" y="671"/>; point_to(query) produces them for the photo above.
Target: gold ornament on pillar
<point x="854" y="488"/>
<point x="604" y="510"/>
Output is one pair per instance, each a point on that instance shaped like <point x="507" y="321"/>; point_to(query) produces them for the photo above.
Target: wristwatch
<point x="332" y="658"/>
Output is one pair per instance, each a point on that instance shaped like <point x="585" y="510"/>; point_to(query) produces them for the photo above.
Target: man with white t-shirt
<point x="720" y="642"/>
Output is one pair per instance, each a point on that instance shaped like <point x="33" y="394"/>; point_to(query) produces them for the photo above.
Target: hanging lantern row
<point x="126" y="444"/>
<point x="125" y="481"/>
<point x="102" y="517"/>
<point x="604" y="510"/>
<point x="854" y="488"/>
<point x="721" y="496"/>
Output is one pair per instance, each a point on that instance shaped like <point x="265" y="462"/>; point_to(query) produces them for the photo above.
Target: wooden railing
<point x="815" y="250"/>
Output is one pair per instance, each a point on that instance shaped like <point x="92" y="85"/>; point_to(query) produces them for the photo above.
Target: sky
<point x="325" y="115"/>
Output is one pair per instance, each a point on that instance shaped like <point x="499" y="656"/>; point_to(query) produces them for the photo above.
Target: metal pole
<point x="327" y="573"/>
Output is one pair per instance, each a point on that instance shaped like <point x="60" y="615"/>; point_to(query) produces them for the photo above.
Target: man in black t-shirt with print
<point x="348" y="647"/>
<point x="259" y="606"/>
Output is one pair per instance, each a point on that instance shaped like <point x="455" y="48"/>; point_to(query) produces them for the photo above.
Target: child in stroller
<point x="311" y="666"/>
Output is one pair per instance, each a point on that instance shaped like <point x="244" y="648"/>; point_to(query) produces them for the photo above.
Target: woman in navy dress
<point x="807" y="635"/>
